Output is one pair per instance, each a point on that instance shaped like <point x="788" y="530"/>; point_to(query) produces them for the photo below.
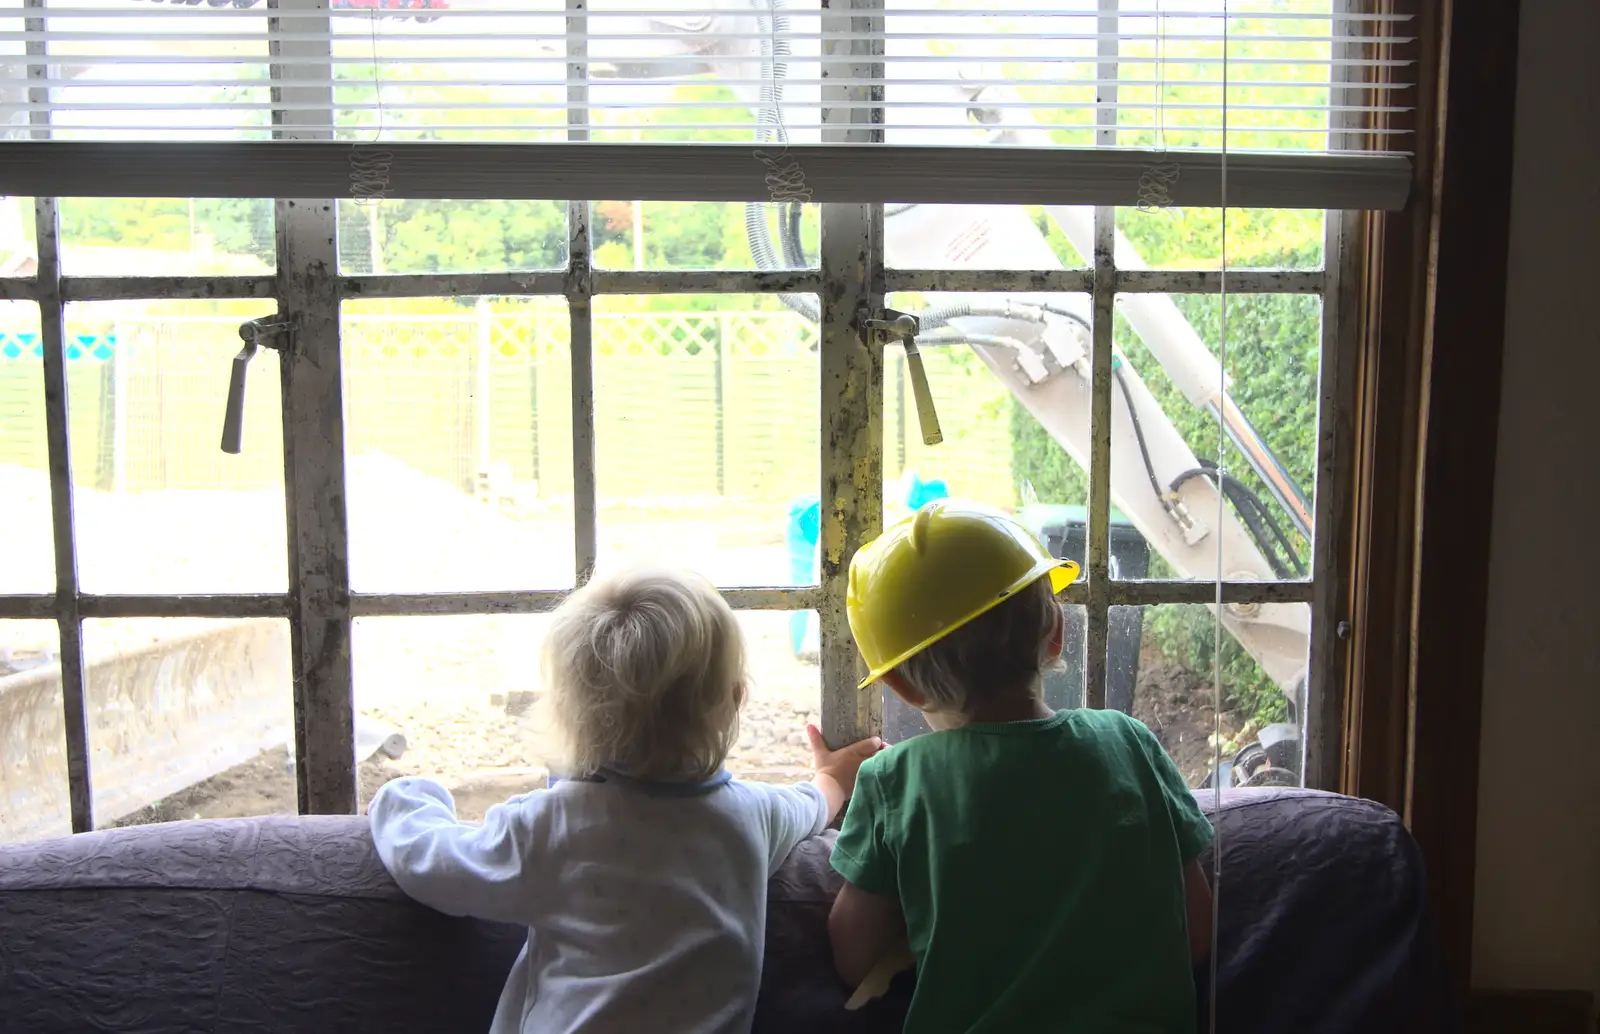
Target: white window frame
<point x="851" y="281"/>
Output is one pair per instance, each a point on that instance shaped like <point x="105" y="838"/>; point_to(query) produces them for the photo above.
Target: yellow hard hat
<point x="934" y="572"/>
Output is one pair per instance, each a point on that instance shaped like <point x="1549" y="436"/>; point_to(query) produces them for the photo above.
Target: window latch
<point x="890" y="325"/>
<point x="269" y="331"/>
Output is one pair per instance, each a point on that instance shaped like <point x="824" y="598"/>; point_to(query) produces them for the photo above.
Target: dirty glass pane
<point x="785" y="693"/>
<point x="18" y="248"/>
<point x="1161" y="668"/>
<point x="1008" y="410"/>
<point x="1166" y="345"/>
<point x="703" y="235"/>
<point x="34" y="796"/>
<point x="1063" y="685"/>
<point x="706" y="432"/>
<point x="189" y="718"/>
<point x="26" y="536"/>
<point x="459" y="699"/>
<point x="121" y="236"/>
<point x="160" y="507"/>
<point x="1021" y="237"/>
<point x="413" y="235"/>
<point x="458" y="443"/>
<point x="1258" y="238"/>
<point x="454" y="699"/>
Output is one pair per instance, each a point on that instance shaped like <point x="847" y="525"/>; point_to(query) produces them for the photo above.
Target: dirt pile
<point x="1177" y="705"/>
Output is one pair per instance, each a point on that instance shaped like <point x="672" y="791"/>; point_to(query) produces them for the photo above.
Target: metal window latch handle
<point x="270" y="331"/>
<point x="891" y="325"/>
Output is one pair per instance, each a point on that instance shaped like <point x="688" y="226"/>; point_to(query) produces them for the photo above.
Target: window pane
<point x="1161" y="667"/>
<point x="993" y="380"/>
<point x="34" y="801"/>
<point x="407" y="235"/>
<point x="704" y="235"/>
<point x="706" y="430"/>
<point x="189" y="718"/>
<point x="462" y="692"/>
<point x="458" y="443"/>
<point x="465" y="694"/>
<point x="119" y="236"/>
<point x="26" y="537"/>
<point x="985" y="237"/>
<point x="160" y="507"/>
<point x="1063" y="687"/>
<point x="1274" y="347"/>
<point x="1191" y="238"/>
<point x="19" y="250"/>
<point x="785" y="693"/>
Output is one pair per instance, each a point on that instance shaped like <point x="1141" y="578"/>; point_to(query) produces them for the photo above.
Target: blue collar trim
<point x="657" y="787"/>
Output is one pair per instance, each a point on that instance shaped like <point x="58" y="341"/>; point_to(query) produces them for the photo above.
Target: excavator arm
<point x="1039" y="347"/>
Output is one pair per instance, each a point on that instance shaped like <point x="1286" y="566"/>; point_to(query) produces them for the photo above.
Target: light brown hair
<point x="646" y="675"/>
<point x="999" y="653"/>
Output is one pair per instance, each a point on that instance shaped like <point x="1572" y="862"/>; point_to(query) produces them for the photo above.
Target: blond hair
<point x="646" y="674"/>
<point x="999" y="653"/>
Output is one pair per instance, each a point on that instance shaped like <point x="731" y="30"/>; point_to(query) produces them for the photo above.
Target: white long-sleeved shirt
<point x="646" y="906"/>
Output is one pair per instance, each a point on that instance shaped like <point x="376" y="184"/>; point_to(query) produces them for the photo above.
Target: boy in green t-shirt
<point x="1042" y="866"/>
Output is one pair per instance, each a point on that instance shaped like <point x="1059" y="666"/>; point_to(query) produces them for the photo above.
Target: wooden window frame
<point x="1426" y="427"/>
<point x="1410" y="589"/>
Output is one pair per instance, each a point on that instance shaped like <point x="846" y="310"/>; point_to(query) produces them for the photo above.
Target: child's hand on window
<point x="836" y="769"/>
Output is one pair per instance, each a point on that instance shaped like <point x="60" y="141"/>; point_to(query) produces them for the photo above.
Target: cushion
<point x="291" y="924"/>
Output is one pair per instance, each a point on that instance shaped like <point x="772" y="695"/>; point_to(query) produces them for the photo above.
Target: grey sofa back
<point x="292" y="925"/>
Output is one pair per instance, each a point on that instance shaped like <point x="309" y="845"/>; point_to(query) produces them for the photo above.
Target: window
<point x="462" y="398"/>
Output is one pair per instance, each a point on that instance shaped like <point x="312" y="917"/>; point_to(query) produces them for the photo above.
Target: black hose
<point x="1278" y="534"/>
<point x="1258" y="520"/>
<point x="1138" y="434"/>
<point x="1246" y="503"/>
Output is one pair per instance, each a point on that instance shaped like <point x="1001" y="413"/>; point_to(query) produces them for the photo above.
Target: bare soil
<point x="771" y="749"/>
<point x="443" y="682"/>
<point x="1177" y="705"/>
<point x="1173" y="701"/>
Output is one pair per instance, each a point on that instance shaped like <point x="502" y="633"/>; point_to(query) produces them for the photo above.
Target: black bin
<point x="1066" y="537"/>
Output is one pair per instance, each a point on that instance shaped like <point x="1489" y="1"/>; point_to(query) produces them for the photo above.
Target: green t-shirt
<point x="1039" y="865"/>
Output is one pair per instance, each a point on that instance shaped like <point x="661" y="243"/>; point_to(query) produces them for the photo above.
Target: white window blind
<point x="1301" y="76"/>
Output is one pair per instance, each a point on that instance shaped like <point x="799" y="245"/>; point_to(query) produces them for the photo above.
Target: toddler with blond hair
<point x="641" y="876"/>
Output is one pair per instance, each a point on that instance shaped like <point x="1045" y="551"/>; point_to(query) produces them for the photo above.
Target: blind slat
<point x="596" y="13"/>
<point x="1297" y="76"/>
<point x="85" y="82"/>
